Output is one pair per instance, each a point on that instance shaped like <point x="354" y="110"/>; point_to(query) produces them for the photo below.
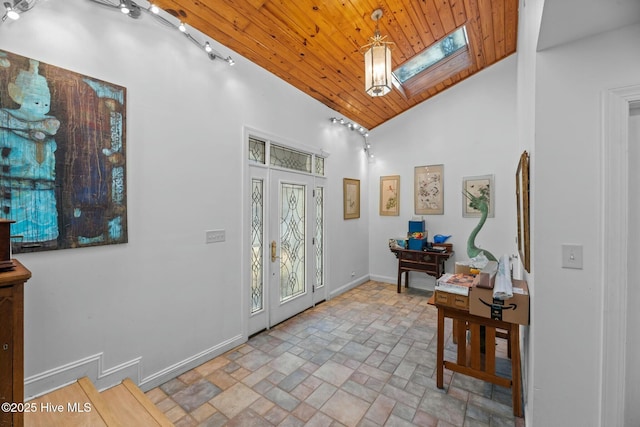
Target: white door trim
<point x="614" y="229"/>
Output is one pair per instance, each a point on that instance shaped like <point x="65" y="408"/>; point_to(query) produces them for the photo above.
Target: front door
<point x="287" y="227"/>
<point x="291" y="230"/>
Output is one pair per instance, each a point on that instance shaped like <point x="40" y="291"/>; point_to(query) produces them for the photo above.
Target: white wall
<point x="530" y="15"/>
<point x="568" y="312"/>
<point x="632" y="380"/>
<point x="348" y="240"/>
<point x="471" y="130"/>
<point x="165" y="301"/>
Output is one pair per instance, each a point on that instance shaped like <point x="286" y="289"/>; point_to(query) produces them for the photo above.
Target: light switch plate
<point x="572" y="256"/>
<point x="215" y="236"/>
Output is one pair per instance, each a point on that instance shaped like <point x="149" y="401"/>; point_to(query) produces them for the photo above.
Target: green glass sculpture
<point x="481" y="203"/>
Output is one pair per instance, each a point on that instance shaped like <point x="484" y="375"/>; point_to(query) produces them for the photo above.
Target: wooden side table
<point x="12" y="341"/>
<point x="471" y="359"/>
<point x="431" y="263"/>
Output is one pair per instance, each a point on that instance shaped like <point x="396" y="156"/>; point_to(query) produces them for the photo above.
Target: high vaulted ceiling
<point x="315" y="44"/>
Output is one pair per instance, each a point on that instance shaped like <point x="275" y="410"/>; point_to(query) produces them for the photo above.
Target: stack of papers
<point x="455" y="283"/>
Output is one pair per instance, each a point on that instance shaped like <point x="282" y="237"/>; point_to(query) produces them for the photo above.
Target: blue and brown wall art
<point x="62" y="157"/>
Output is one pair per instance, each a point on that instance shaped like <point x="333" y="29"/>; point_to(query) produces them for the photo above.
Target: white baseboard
<point x="384" y="279"/>
<point x="92" y="367"/>
<point x="418" y="280"/>
<point x="348" y="286"/>
<point x="185" y="365"/>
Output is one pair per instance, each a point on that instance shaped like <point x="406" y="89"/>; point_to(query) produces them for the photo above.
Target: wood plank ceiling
<point x="315" y="44"/>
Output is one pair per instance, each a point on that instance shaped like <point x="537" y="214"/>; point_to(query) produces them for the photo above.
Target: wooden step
<point x="132" y="407"/>
<point x="80" y="404"/>
<point x="63" y="408"/>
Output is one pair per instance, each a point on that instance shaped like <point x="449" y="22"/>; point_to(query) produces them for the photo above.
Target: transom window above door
<point x="285" y="157"/>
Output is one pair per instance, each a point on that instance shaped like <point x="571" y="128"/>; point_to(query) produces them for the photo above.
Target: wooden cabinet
<point x="431" y="263"/>
<point x="12" y="341"/>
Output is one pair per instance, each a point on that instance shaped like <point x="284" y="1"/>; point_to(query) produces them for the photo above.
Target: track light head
<point x="130" y="8"/>
<point x="12" y="11"/>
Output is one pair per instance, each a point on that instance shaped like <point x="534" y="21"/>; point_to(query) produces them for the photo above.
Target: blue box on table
<point x="416" y="226"/>
<point x="417" y="244"/>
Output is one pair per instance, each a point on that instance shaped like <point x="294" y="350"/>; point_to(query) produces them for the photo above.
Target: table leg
<point x="399" y="279"/>
<point x="461" y="333"/>
<point x="440" y="351"/>
<point x="516" y="381"/>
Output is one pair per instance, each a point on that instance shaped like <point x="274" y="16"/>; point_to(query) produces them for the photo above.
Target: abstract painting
<point x="62" y="157"/>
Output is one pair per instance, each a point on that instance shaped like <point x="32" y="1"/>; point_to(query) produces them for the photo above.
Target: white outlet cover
<point x="215" y="236"/>
<point x="572" y="256"/>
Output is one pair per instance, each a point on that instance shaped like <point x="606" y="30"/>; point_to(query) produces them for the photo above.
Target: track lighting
<point x="228" y="59"/>
<point x="11" y="12"/>
<point x="350" y="125"/>
<point x="131" y="9"/>
<point x="15" y="8"/>
<point x="355" y="127"/>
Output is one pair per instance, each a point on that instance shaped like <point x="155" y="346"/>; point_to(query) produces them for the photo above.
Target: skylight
<point x="432" y="55"/>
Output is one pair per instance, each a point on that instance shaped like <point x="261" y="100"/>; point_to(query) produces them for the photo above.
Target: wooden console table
<point x="431" y="263"/>
<point x="11" y="341"/>
<point x="474" y="359"/>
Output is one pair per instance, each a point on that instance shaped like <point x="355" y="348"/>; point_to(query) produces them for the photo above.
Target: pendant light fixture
<point x="377" y="62"/>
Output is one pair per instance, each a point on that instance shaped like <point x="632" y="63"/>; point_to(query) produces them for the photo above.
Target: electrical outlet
<point x="572" y="256"/>
<point x="215" y="236"/>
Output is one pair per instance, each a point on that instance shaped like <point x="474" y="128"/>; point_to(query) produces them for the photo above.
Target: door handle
<point x="273" y="251"/>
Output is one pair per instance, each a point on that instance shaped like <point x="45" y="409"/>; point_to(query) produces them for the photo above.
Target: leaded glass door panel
<point x="291" y="257"/>
<point x="258" y="248"/>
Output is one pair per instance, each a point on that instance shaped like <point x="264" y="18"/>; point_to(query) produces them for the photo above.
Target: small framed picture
<point x="351" y="193"/>
<point x="478" y="187"/>
<point x="429" y="190"/>
<point x="390" y="195"/>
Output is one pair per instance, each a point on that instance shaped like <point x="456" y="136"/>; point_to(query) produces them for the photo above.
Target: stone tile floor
<point x="364" y="358"/>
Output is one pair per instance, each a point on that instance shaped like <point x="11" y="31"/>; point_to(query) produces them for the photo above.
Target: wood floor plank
<point x="127" y="409"/>
<point x="153" y="410"/>
<point x="61" y="408"/>
<point x="98" y="403"/>
<point x="81" y="405"/>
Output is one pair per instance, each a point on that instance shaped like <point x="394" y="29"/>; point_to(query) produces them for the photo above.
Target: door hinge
<point x="313" y="193"/>
<point x="313" y="289"/>
<point x="313" y="240"/>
